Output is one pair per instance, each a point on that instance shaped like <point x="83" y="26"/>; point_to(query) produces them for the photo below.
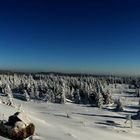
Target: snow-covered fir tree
<point x="77" y="97"/>
<point x="99" y="99"/>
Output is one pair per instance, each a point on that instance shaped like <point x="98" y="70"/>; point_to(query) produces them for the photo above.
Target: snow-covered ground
<point x="83" y="122"/>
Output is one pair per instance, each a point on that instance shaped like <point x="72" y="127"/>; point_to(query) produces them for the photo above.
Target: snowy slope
<point x="83" y="123"/>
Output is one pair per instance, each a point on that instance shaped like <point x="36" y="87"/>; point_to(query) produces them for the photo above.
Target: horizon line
<point x="68" y="72"/>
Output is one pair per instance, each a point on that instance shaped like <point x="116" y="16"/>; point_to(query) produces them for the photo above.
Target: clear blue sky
<point x="70" y="35"/>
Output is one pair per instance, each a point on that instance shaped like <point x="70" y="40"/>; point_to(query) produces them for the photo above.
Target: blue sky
<point x="70" y="35"/>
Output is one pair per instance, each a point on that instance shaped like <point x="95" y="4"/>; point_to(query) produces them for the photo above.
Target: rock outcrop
<point x="18" y="127"/>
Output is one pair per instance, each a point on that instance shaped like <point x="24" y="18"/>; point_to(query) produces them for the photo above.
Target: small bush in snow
<point x="129" y="119"/>
<point x="119" y="105"/>
<point x="138" y="113"/>
<point x="137" y="92"/>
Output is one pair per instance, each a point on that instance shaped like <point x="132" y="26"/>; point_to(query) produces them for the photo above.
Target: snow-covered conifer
<point x="77" y="97"/>
<point x="99" y="99"/>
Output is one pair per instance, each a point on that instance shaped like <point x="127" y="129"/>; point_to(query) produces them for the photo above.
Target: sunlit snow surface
<point x="83" y="122"/>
